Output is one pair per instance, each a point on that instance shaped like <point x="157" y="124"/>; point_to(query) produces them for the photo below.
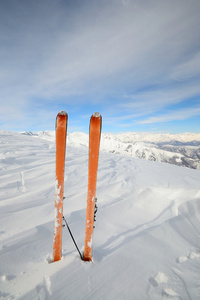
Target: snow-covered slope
<point x="147" y="236"/>
<point x="179" y="149"/>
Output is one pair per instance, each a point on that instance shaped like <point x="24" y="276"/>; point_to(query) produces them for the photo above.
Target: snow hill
<point x="178" y="149"/>
<point x="146" y="243"/>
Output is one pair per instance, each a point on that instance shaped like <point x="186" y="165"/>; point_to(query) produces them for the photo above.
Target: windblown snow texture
<point x="146" y="244"/>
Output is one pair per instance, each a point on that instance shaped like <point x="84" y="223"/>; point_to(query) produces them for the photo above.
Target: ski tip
<point x="96" y="115"/>
<point x="62" y="113"/>
<point x="61" y="119"/>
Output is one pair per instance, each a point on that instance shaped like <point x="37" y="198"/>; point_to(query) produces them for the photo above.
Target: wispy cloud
<point x="173" y="116"/>
<point x="153" y="100"/>
<point x="188" y="69"/>
<point x="120" y="56"/>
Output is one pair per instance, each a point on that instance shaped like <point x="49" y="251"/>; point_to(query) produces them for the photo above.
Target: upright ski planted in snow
<point x="94" y="143"/>
<point x="61" y="130"/>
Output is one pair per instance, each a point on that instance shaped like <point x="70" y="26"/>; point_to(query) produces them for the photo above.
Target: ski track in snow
<point x="146" y="243"/>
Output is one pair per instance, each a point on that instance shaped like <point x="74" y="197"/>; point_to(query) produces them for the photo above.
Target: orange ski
<point x="94" y="143"/>
<point x="61" y="129"/>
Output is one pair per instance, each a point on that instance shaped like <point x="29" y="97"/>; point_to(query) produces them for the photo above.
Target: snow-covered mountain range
<point x="178" y="149"/>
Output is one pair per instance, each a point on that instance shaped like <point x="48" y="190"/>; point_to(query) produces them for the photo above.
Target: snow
<point x="146" y="242"/>
<point x="179" y="149"/>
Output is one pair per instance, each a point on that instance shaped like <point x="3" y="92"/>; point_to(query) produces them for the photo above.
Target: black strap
<point x="73" y="238"/>
<point x="95" y="210"/>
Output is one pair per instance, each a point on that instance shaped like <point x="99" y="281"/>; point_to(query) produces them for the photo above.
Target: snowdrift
<point x="146" y="243"/>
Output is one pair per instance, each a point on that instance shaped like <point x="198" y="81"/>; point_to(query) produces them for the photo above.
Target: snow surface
<point x="146" y="244"/>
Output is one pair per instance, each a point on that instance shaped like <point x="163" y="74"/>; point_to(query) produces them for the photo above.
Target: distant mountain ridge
<point x="178" y="149"/>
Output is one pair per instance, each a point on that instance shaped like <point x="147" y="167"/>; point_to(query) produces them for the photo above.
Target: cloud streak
<point x="120" y="56"/>
<point x="172" y="116"/>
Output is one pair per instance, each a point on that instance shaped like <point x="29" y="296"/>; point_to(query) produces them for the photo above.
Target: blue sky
<point x="137" y="62"/>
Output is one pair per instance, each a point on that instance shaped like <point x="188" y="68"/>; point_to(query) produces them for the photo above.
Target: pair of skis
<point x="94" y="143"/>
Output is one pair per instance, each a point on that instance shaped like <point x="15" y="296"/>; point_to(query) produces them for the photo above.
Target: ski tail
<point x="94" y="144"/>
<point x="61" y="131"/>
